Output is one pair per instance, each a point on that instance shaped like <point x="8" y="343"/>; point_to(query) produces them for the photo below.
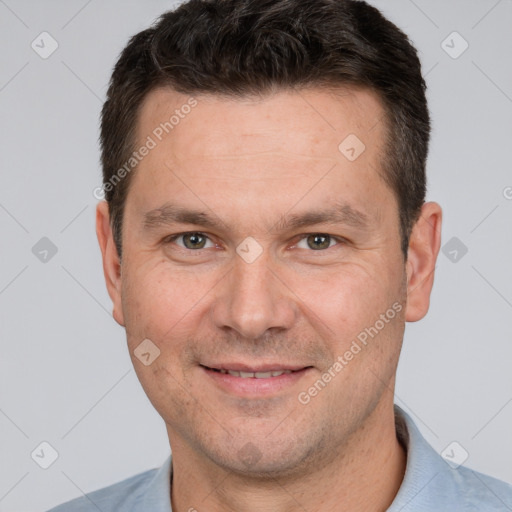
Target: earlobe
<point x="424" y="244"/>
<point x="111" y="261"/>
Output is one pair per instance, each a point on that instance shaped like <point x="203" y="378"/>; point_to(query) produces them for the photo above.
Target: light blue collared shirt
<point x="430" y="485"/>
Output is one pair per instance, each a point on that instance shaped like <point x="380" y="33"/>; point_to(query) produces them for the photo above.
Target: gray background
<point x="65" y="375"/>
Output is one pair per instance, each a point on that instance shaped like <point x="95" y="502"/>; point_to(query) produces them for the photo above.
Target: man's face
<point x="292" y="250"/>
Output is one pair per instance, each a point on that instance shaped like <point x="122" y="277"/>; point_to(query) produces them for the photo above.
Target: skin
<point x="250" y="164"/>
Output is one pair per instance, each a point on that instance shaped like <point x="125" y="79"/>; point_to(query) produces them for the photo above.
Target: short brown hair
<point x="252" y="47"/>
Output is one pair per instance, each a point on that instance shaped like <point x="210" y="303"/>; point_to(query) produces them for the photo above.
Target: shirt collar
<point x="424" y="465"/>
<point x="157" y="495"/>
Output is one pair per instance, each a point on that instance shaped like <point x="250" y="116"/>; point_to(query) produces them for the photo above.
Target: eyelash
<point x="173" y="238"/>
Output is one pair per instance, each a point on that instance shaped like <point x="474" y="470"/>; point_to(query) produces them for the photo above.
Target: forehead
<point x="290" y="116"/>
<point x="247" y="148"/>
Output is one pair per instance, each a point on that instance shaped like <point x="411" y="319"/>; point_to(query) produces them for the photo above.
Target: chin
<point x="261" y="459"/>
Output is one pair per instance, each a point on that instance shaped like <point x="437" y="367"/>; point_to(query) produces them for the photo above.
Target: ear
<point x="111" y="261"/>
<point x="424" y="244"/>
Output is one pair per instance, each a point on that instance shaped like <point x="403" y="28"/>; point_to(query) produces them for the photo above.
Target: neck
<point x="364" y="475"/>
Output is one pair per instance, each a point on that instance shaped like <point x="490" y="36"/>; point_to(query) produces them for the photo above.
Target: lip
<point x="240" y="367"/>
<point x="253" y="387"/>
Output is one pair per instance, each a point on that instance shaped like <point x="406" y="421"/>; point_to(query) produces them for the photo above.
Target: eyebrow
<point x="341" y="213"/>
<point x="173" y="214"/>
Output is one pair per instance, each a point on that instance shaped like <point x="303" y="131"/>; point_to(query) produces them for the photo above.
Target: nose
<point x="254" y="300"/>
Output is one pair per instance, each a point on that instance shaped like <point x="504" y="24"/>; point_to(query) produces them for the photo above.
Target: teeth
<point x="257" y="375"/>
<point x="263" y="375"/>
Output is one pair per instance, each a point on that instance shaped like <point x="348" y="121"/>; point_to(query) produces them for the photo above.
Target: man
<point x="265" y="237"/>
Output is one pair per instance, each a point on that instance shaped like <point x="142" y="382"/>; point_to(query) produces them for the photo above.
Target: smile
<point x="254" y="375"/>
<point x="257" y="382"/>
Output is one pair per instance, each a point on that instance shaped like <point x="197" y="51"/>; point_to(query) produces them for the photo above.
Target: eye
<point x="194" y="240"/>
<point x="317" y="241"/>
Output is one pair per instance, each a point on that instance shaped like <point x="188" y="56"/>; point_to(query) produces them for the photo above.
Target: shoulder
<point x="434" y="483"/>
<point x="121" y="496"/>
<point x="481" y="492"/>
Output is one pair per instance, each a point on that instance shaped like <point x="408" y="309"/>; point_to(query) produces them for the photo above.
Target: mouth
<point x="259" y="381"/>
<point x="252" y="374"/>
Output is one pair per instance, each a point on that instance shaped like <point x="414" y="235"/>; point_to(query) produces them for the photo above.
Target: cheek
<point x="350" y="306"/>
<point x="156" y="300"/>
<point x="163" y="384"/>
<point x="348" y="298"/>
